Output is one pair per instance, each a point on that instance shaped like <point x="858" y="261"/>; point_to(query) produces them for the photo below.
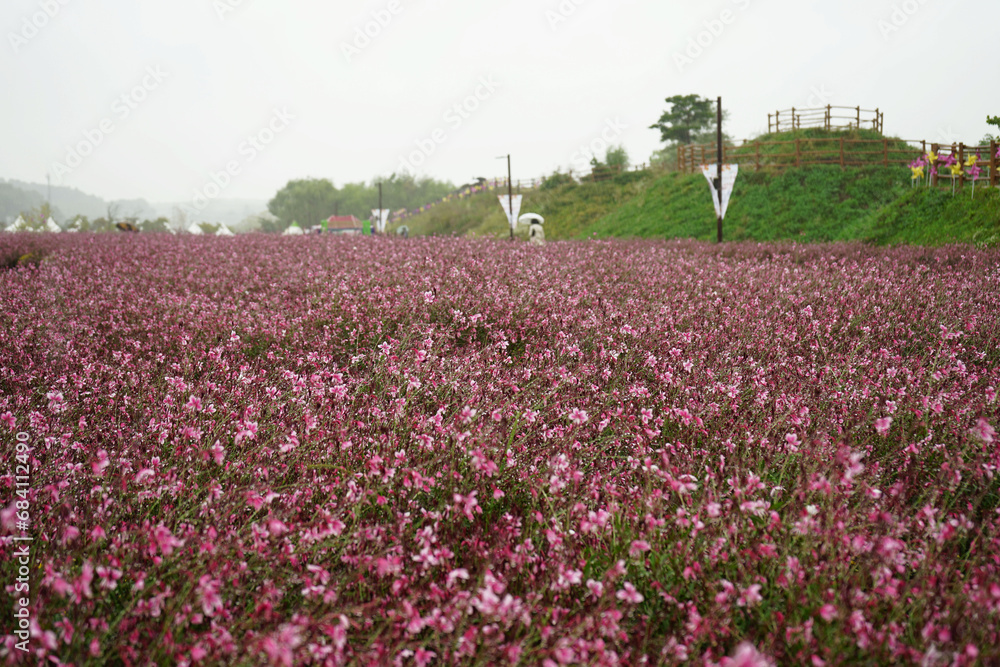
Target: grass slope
<point x="822" y="203"/>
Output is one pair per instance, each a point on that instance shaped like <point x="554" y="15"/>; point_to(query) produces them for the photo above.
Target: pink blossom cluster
<point x="316" y="450"/>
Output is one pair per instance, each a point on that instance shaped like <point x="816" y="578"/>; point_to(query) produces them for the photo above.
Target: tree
<point x="38" y="216"/>
<point x="161" y="224"/>
<point x="312" y="200"/>
<point x="616" y="158"/>
<point x="987" y="138"/>
<point x="309" y="200"/>
<point x="687" y="117"/>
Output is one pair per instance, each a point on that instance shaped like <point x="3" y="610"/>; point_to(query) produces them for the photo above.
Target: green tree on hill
<point x="687" y="117"/>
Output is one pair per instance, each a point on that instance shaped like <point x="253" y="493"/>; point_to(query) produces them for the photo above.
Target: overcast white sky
<point x="199" y="77"/>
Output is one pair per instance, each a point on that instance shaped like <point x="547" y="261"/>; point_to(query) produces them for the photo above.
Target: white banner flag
<point x="380" y="216"/>
<point x="511" y="207"/>
<point x="729" y="172"/>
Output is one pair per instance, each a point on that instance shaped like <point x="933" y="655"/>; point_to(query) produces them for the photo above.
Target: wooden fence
<point x="840" y="151"/>
<point x="827" y="118"/>
<point x="986" y="159"/>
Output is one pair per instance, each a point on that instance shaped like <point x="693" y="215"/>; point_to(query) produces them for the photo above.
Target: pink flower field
<point x="279" y="451"/>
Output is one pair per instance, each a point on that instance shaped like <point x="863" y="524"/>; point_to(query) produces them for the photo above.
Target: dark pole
<point x="379" y="224"/>
<point x="510" y="197"/>
<point x="719" y="165"/>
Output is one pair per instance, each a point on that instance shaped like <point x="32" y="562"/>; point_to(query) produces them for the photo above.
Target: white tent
<point x="293" y="230"/>
<point x="75" y="226"/>
<point x="51" y="226"/>
<point x="19" y="225"/>
<point x="195" y="228"/>
<point x="224" y="231"/>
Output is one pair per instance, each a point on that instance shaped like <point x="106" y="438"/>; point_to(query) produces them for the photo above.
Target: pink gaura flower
<point x="629" y="594"/>
<point x="983" y="431"/>
<point x="882" y="425"/>
<point x="638" y="547"/>
<point x="8" y="419"/>
<point x="454" y="575"/>
<point x="747" y="656"/>
<point x="8" y="518"/>
<point x="750" y="596"/>
<point x="165" y="540"/>
<point x="578" y="416"/>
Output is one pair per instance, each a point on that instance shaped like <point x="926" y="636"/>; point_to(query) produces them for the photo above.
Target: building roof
<point x="343" y="222"/>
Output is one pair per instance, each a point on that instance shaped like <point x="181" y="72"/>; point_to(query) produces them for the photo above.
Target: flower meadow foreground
<point x="314" y="450"/>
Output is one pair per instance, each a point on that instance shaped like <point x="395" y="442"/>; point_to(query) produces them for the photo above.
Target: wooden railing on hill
<point x="840" y="151"/>
<point x="800" y="152"/>
<point x="828" y="118"/>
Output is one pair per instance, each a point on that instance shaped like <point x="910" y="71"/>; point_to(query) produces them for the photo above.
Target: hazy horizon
<point x="233" y="98"/>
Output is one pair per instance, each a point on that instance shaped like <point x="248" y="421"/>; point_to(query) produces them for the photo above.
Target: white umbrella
<point x="531" y="218"/>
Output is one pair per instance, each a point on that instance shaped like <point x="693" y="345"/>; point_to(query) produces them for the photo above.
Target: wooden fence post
<point x="934" y="178"/>
<point x="961" y="161"/>
<point x="794" y="123"/>
<point x="994" y="181"/>
<point x="828" y="120"/>
<point x="859" y="118"/>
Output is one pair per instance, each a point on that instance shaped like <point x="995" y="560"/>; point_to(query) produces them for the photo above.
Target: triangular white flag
<point x="512" y="207"/>
<point x="380" y="216"/>
<point x="729" y="172"/>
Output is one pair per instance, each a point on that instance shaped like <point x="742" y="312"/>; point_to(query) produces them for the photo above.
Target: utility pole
<point x="379" y="225"/>
<point x="510" y="195"/>
<point x="718" y="178"/>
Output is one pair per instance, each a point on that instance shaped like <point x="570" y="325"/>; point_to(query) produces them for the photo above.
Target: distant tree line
<point x="309" y="201"/>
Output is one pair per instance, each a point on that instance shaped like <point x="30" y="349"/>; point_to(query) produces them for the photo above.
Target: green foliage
<point x="311" y="199"/>
<point x="933" y="216"/>
<point x="687" y="116"/>
<point x="812" y="204"/>
<point x="555" y="180"/>
<point x="161" y="224"/>
<point x="993" y="120"/>
<point x="36" y="217"/>
<point x="616" y="158"/>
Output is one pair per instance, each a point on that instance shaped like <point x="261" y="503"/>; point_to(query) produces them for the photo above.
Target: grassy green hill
<point x="875" y="204"/>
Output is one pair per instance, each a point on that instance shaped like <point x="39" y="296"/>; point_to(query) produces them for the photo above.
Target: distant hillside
<point x="17" y="196"/>
<point x="67" y="201"/>
<point x="13" y="200"/>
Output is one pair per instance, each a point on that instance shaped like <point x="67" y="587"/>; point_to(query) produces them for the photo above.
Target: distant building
<point x="344" y="224"/>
